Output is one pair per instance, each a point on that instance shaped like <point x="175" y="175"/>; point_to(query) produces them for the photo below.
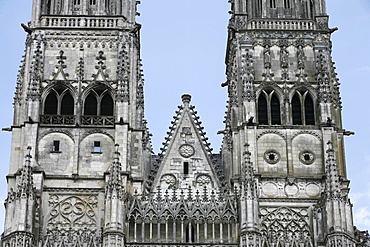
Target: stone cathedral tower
<point x="82" y="172"/>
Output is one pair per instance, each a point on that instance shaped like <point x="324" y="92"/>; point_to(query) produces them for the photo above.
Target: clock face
<point x="186" y="150"/>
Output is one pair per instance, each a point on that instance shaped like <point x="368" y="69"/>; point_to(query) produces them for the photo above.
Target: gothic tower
<point x="284" y="105"/>
<point x="78" y="120"/>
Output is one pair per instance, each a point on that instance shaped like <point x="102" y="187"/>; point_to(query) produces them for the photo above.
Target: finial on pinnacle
<point x="186" y="98"/>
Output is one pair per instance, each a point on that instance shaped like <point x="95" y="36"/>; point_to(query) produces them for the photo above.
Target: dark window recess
<point x="272" y="4"/>
<point x="309" y="111"/>
<point x="186" y="168"/>
<point x="91" y="104"/>
<point x="97" y="147"/>
<point x="287" y="4"/>
<point x="56" y="146"/>
<point x="258" y="8"/>
<point x="190" y="238"/>
<point x="262" y="110"/>
<point x="67" y="105"/>
<point x="48" y="7"/>
<point x="275" y="111"/>
<point x="296" y="110"/>
<point x="98" y="103"/>
<point x="106" y="106"/>
<point x="51" y="104"/>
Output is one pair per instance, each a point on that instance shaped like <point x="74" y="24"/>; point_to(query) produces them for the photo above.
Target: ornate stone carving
<point x="323" y="78"/>
<point x="268" y="74"/>
<point x="301" y="58"/>
<point x="60" y="74"/>
<point x="102" y="72"/>
<point x="286" y="226"/>
<point x="20" y="82"/>
<point x="247" y="72"/>
<point x="170" y="180"/>
<point x="33" y="91"/>
<point x="72" y="211"/>
<point x="203" y="180"/>
<point x="123" y="94"/>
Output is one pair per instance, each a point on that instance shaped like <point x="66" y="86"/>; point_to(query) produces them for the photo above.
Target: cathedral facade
<point x="82" y="171"/>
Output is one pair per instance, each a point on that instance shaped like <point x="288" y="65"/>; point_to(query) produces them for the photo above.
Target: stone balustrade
<point x="82" y="22"/>
<point x="282" y="24"/>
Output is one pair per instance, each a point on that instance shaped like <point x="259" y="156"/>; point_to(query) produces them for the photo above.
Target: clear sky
<point x="183" y="50"/>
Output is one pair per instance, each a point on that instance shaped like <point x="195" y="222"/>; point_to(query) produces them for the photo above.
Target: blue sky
<point x="183" y="50"/>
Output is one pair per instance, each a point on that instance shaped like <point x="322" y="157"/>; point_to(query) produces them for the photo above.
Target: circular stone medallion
<point x="271" y="156"/>
<point x="307" y="157"/>
<point x="186" y="150"/>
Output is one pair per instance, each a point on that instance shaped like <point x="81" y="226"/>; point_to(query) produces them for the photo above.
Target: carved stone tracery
<point x="284" y="225"/>
<point x="72" y="220"/>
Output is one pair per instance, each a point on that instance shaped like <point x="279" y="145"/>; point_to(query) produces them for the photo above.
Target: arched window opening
<point x="262" y="110"/>
<point x="91" y="105"/>
<point x="311" y="9"/>
<point x="51" y="104"/>
<point x="190" y="238"/>
<point x="99" y="103"/>
<point x="296" y="110"/>
<point x="275" y="110"/>
<point x="107" y="106"/>
<point x="76" y="2"/>
<point x="287" y="4"/>
<point x="309" y="110"/>
<point x="269" y="108"/>
<point x="273" y="4"/>
<point x="258" y="8"/>
<point x="67" y="107"/>
<point x="59" y="102"/>
<point x="48" y="7"/>
<point x="303" y="109"/>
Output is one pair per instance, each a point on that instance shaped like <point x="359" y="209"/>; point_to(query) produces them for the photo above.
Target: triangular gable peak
<point x="186" y="159"/>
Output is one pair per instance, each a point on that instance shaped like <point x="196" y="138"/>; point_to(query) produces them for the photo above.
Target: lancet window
<point x="303" y="110"/>
<point x="273" y="4"/>
<point x="98" y="103"/>
<point x="309" y="9"/>
<point x="59" y="102"/>
<point x="287" y="4"/>
<point x="257" y="8"/>
<point x="269" y="108"/>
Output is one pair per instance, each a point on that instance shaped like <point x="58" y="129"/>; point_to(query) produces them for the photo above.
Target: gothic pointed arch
<point x="98" y="101"/>
<point x="303" y="108"/>
<point x="58" y="101"/>
<point x="106" y="105"/>
<point x="51" y="104"/>
<point x="296" y="110"/>
<point x="67" y="104"/>
<point x="91" y="105"/>
<point x="268" y="107"/>
<point x="262" y="110"/>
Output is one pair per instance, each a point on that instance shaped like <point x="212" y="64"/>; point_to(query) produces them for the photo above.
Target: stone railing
<point x="179" y="245"/>
<point x="282" y="24"/>
<point x="97" y="120"/>
<point x="82" y="22"/>
<point x="57" y="119"/>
